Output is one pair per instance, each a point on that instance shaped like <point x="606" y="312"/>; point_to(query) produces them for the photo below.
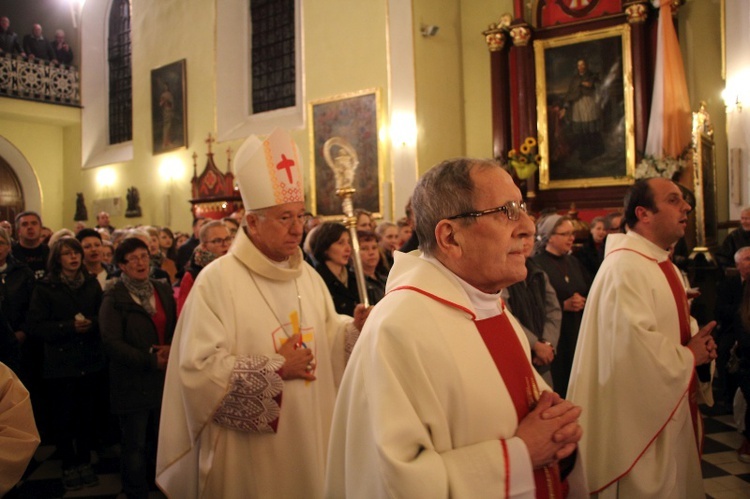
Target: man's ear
<point x="252" y="223"/>
<point x="445" y="236"/>
<point x="642" y="214"/>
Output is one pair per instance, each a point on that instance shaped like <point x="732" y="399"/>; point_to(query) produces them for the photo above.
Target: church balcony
<point x="40" y="81"/>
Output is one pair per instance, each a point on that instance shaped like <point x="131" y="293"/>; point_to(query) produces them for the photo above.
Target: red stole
<point x="515" y="369"/>
<point x="683" y="312"/>
<point x="159" y="318"/>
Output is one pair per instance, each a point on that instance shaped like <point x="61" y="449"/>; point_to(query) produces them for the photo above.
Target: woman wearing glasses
<point x="138" y="317"/>
<point x="64" y="313"/>
<point x="214" y="242"/>
<point x="555" y="239"/>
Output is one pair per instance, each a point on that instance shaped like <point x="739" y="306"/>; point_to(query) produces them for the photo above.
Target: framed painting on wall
<point x="169" y="107"/>
<point x="585" y="109"/>
<point x="354" y="118"/>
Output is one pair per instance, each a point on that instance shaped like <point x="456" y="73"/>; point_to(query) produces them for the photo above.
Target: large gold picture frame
<point x="354" y="117"/>
<point x="585" y="121"/>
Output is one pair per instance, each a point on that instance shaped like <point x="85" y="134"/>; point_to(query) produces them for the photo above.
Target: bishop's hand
<point x="299" y="360"/>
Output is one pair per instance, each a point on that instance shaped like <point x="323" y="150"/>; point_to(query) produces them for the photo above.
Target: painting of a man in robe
<point x="586" y="110"/>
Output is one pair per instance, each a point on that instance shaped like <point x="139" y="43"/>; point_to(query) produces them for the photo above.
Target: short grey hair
<point x="444" y="191"/>
<point x="203" y="234"/>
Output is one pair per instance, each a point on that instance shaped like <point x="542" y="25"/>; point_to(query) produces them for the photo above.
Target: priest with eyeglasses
<point x="439" y="398"/>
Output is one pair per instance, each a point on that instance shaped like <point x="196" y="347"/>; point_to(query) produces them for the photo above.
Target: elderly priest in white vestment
<point x="634" y="370"/>
<point x="258" y="352"/>
<point x="439" y="398"/>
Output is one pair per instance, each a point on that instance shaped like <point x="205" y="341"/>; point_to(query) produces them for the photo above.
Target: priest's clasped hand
<point x="551" y="431"/>
<point x="299" y="363"/>
<point x="703" y="345"/>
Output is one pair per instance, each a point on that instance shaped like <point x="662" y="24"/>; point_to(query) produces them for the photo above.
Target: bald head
<point x="742" y="261"/>
<point x="745" y="218"/>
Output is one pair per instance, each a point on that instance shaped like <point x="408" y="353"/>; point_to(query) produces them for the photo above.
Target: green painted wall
<point x="344" y="51"/>
<point x="40" y="133"/>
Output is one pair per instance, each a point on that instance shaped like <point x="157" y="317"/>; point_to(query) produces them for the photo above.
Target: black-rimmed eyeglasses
<point x="512" y="210"/>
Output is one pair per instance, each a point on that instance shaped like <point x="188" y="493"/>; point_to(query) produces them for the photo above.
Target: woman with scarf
<point x="554" y="243"/>
<point x="214" y="242"/>
<point x="138" y="317"/>
<point x="64" y="314"/>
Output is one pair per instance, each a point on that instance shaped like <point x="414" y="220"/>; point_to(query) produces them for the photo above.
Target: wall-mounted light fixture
<point x="106" y="178"/>
<point x="171" y="168"/>
<point x="403" y="129"/>
<point x="736" y="91"/>
<point x="429" y="30"/>
<point x="76" y="8"/>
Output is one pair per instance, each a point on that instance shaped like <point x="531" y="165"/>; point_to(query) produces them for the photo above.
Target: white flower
<point x="665" y="167"/>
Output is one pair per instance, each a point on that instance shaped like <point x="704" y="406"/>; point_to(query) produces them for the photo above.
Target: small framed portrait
<point x="585" y="109"/>
<point x="354" y="118"/>
<point x="169" y="107"/>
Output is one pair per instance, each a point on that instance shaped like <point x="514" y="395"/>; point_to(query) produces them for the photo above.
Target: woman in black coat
<point x="332" y="249"/>
<point x="64" y="313"/>
<point x="571" y="282"/>
<point x="138" y="317"/>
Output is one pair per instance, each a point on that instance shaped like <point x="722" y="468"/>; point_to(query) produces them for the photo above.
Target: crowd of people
<point x="261" y="374"/>
<point x="86" y="317"/>
<point x="34" y="46"/>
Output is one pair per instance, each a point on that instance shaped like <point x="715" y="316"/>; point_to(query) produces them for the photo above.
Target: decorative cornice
<point x="637" y="13"/>
<point x="496" y="35"/>
<point x="495" y="38"/>
<point x="521" y="35"/>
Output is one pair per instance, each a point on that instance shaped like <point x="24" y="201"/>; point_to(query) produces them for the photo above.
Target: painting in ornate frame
<point x="585" y="121"/>
<point x="169" y="107"/>
<point x="354" y="117"/>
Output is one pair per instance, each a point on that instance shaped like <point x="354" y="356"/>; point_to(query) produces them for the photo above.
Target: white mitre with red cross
<point x="269" y="173"/>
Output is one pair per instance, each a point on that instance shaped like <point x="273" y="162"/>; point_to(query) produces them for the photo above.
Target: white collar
<point x="485" y="305"/>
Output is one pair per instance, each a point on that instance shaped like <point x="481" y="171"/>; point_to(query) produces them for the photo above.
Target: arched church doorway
<point x="20" y="179"/>
<point x="11" y="192"/>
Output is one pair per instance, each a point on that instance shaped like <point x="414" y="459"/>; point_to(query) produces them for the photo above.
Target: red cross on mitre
<point x="286" y="164"/>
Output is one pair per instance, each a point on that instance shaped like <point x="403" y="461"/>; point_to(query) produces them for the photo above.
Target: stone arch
<point x="20" y="166"/>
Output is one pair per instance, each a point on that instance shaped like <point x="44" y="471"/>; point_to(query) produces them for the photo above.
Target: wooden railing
<point x="41" y="81"/>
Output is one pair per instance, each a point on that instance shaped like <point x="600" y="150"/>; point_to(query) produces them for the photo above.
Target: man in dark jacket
<point x="9" y="43"/>
<point x="36" y="46"/>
